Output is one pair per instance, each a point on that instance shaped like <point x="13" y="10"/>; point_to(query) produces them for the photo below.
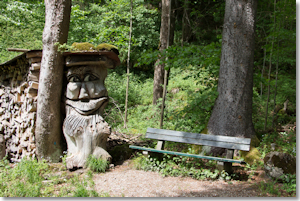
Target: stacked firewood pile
<point x="18" y="104"/>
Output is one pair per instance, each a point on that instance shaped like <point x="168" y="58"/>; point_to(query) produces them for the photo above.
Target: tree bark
<point x="232" y="112"/>
<point x="159" y="68"/>
<point x="49" y="124"/>
<point x="270" y="70"/>
<point x="128" y="60"/>
<point x="186" y="25"/>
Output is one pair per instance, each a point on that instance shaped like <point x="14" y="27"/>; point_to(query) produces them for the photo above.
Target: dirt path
<point x="123" y="181"/>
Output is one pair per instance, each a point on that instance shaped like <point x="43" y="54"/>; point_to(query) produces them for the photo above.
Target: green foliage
<point x="82" y="191"/>
<point x="286" y="90"/>
<point x="285" y="142"/>
<point x="21" y="26"/>
<point x="288" y="186"/>
<point x="283" y="31"/>
<point x="24" y="180"/>
<point x="193" y="78"/>
<point x="180" y="166"/>
<point x="97" y="164"/>
<point x="109" y="23"/>
<point x="31" y="178"/>
<point x="290" y="183"/>
<point x="269" y="188"/>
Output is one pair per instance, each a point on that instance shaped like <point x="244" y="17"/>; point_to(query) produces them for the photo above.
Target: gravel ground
<point x="123" y="181"/>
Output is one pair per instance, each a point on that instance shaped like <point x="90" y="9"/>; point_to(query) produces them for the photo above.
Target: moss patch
<point x="88" y="47"/>
<point x="83" y="46"/>
<point x="251" y="156"/>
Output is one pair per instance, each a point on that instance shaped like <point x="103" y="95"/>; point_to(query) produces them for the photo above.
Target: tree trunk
<point x="232" y="112"/>
<point x="186" y="25"/>
<point x="128" y="60"/>
<point x="166" y="71"/>
<point x="159" y="68"/>
<point x="262" y="73"/>
<point x="270" y="70"/>
<point x="49" y="124"/>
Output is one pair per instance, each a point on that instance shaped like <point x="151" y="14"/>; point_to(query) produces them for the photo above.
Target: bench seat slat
<point x="189" y="140"/>
<point x="188" y="155"/>
<point x="199" y="136"/>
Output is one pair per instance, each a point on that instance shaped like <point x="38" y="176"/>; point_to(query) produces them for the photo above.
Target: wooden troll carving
<point x="86" y="97"/>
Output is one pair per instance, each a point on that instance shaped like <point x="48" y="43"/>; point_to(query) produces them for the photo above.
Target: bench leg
<point x="227" y="165"/>
<point x="160" y="146"/>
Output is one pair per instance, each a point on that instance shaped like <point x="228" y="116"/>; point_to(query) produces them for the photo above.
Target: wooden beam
<point x="17" y="50"/>
<point x="36" y="53"/>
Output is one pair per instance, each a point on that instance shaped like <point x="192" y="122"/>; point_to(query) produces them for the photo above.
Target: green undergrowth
<point x="97" y="164"/>
<point x="187" y="108"/>
<point x="31" y="178"/>
<point x="181" y="166"/>
<point x="287" y="188"/>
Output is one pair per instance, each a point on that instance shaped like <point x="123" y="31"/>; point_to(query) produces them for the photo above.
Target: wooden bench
<point x="230" y="143"/>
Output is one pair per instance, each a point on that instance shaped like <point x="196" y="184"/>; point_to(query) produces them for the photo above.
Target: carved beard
<point x="85" y="135"/>
<point x="75" y="123"/>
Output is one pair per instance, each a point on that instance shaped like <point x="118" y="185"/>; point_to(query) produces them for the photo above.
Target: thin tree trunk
<point x="275" y="93"/>
<point x="269" y="75"/>
<point x="166" y="72"/>
<point x="128" y="60"/>
<point x="49" y="124"/>
<point x="276" y="78"/>
<point x="268" y="95"/>
<point x="159" y="67"/>
<point x="262" y="73"/>
<point x="186" y="25"/>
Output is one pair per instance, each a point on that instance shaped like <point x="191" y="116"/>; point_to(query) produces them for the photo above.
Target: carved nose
<point x="83" y="92"/>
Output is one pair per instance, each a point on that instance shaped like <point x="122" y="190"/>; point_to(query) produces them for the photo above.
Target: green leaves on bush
<point x="179" y="166"/>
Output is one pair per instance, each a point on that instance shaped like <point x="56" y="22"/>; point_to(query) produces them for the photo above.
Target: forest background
<point x="194" y="59"/>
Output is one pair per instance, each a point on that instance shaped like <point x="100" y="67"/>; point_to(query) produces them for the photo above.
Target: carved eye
<point x="90" y="77"/>
<point x="74" y="78"/>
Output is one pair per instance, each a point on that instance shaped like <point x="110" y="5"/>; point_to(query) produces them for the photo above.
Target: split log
<point x="32" y="93"/>
<point x="33" y="76"/>
<point x="35" y="66"/>
<point x="35" y="60"/>
<point x="34" y="85"/>
<point x="17" y="98"/>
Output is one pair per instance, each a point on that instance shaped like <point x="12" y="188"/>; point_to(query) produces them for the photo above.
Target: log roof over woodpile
<point x="13" y="61"/>
<point x="24" y="55"/>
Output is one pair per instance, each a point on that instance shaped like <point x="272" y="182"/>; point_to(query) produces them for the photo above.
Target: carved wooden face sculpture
<point x="86" y="92"/>
<point x="84" y="128"/>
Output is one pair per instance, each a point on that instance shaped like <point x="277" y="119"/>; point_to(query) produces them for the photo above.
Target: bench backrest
<point x="199" y="139"/>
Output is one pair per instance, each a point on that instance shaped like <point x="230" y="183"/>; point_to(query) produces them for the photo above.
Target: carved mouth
<point x="86" y="107"/>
